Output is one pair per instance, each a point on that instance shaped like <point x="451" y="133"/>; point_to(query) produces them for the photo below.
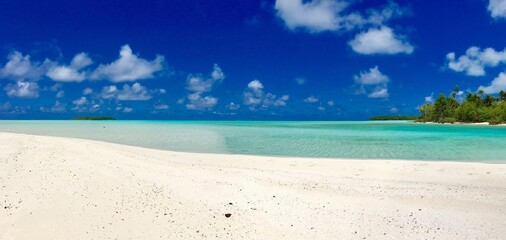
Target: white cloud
<point x="161" y="106"/>
<point x="233" y="106"/>
<point x="87" y="91"/>
<point x="371" y="77"/>
<point x="497" y="8"/>
<point x="372" y="83"/>
<point x="498" y="84"/>
<point x="58" y="107"/>
<point x="135" y="92"/>
<point x="380" y="41"/>
<point x="198" y="86"/>
<point x="379" y="92"/>
<point x="254" y="97"/>
<point x="474" y="62"/>
<point x="429" y="99"/>
<point x="60" y="94"/>
<point x="71" y="73"/>
<point x="321" y="108"/>
<point x="311" y="99"/>
<point x="217" y="73"/>
<point x="84" y="104"/>
<point x="80" y="101"/>
<point x="331" y="15"/>
<point x="127" y="110"/>
<point x="330" y="103"/>
<point x="393" y="110"/>
<point x="21" y="68"/>
<point x="315" y="16"/>
<point x="198" y="102"/>
<point x="54" y="87"/>
<point x="129" y="67"/>
<point x="22" y="89"/>
<point x="196" y="83"/>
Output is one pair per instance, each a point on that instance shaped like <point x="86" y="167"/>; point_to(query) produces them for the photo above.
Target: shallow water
<point x="356" y="139"/>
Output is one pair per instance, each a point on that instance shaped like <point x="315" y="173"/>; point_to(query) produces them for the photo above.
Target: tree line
<point x="475" y="107"/>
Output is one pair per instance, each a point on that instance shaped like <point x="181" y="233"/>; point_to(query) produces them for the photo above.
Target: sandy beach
<point x="62" y="188"/>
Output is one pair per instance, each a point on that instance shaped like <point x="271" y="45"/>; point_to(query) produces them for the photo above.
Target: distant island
<point x="474" y="108"/>
<point x="99" y="118"/>
<point x="383" y="118"/>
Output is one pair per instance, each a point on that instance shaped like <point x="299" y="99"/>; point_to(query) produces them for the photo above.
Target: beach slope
<point x="61" y="188"/>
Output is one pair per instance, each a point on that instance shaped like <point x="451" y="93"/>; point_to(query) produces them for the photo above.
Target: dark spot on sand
<point x="227" y="215"/>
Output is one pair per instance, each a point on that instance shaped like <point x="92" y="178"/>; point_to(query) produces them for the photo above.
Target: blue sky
<point x="252" y="59"/>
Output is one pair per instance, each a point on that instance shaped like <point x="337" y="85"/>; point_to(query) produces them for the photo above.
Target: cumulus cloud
<point x="330" y="103"/>
<point x="474" y="62"/>
<point x="255" y="97"/>
<point x="60" y="94"/>
<point x="198" y="86"/>
<point x="72" y="72"/>
<point x="380" y="41"/>
<point x="311" y="99"/>
<point x="233" y="106"/>
<point x="315" y="16"/>
<point x="379" y="92"/>
<point x="197" y="83"/>
<point x="161" y="106"/>
<point x="84" y="104"/>
<point x="19" y="67"/>
<point x="429" y="99"/>
<point x="135" y="92"/>
<point x="371" y="77"/>
<point x="199" y="102"/>
<point x="58" y="107"/>
<point x="22" y="89"/>
<point x="331" y="15"/>
<point x="129" y="67"/>
<point x="498" y="84"/>
<point x="80" y="101"/>
<point x="87" y="91"/>
<point x="497" y="8"/>
<point x="372" y="83"/>
<point x="127" y="110"/>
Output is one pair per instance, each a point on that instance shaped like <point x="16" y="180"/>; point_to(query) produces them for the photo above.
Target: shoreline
<point x="487" y="161"/>
<point x="61" y="188"/>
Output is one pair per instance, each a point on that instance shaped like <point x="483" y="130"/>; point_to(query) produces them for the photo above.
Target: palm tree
<point x="455" y="91"/>
<point x="481" y="92"/>
<point x="502" y="95"/>
<point x="489" y="100"/>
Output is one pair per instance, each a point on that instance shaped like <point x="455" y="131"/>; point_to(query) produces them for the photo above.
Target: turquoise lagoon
<point x="354" y="139"/>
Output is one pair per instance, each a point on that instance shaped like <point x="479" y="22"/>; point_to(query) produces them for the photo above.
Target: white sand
<point x="59" y="188"/>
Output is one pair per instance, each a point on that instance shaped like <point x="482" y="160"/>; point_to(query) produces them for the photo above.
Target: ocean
<point x="322" y="139"/>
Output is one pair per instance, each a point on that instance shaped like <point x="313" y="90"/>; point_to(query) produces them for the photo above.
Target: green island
<point x="474" y="108"/>
<point x="99" y="118"/>
<point x="383" y="118"/>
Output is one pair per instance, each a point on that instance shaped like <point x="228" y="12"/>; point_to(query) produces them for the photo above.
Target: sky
<point x="249" y="59"/>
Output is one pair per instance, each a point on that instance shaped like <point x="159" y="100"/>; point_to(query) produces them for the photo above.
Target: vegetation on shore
<point x="382" y="118"/>
<point x="475" y="107"/>
<point x="94" y="118"/>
